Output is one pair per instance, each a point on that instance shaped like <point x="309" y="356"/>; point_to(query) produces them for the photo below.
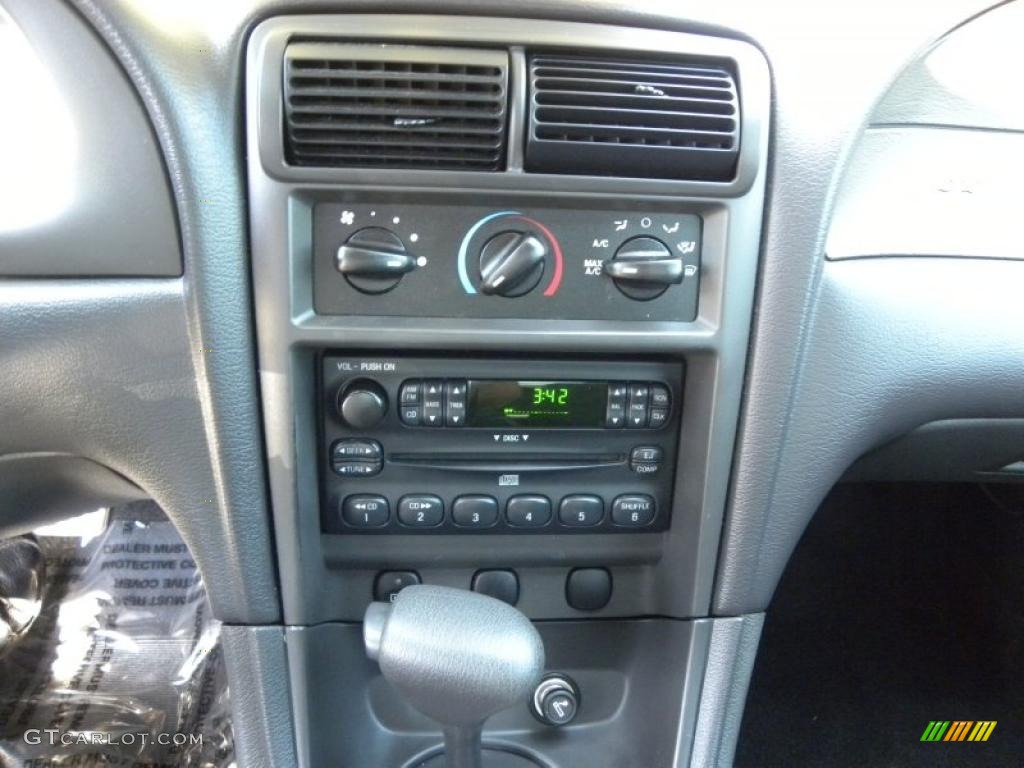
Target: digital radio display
<point x="565" y="404"/>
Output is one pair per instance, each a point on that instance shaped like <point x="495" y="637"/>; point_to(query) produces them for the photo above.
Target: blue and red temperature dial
<point x="512" y="253"/>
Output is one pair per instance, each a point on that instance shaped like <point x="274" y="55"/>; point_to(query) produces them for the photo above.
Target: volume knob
<point x="511" y="264"/>
<point x="362" y="404"/>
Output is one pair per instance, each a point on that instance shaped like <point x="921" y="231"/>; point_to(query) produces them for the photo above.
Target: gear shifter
<point x="458" y="657"/>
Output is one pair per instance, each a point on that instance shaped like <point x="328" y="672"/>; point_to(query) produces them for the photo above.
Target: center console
<point x="503" y="275"/>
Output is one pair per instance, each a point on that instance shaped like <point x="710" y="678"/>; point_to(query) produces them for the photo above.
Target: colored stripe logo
<point x="958" y="730"/>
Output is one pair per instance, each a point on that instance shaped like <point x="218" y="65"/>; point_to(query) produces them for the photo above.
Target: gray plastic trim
<point x="39" y="488"/>
<point x="102" y="369"/>
<point x="731" y="655"/>
<point x="93" y="198"/>
<point x="271" y="37"/>
<point x="261" y="710"/>
<point x="289" y="332"/>
<point x="964" y="450"/>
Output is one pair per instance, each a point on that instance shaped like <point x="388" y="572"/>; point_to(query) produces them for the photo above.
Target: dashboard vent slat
<point x="632" y="117"/>
<point x="395" y="106"/>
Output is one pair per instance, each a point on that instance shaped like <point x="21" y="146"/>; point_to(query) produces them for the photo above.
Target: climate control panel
<point x="425" y="445"/>
<point x="413" y="260"/>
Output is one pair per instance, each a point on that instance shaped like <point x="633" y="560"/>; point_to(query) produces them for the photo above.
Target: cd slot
<point x="505" y="462"/>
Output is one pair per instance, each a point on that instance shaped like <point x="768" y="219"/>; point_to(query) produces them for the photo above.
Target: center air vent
<point x="632" y="117"/>
<point x="391" y="106"/>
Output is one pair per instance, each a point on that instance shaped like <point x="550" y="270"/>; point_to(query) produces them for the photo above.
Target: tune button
<point x="528" y="511"/>
<point x="357" y="468"/>
<point x="633" y="510"/>
<point x="475" y="511"/>
<point x="581" y="511"/>
<point x="420" y="510"/>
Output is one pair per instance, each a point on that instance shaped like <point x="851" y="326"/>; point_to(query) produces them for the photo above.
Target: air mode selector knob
<point x="643" y="268"/>
<point x="512" y="263"/>
<point x="362" y="404"/>
<point x="373" y="260"/>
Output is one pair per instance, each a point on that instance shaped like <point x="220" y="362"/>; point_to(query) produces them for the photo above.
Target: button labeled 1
<point x="364" y="510"/>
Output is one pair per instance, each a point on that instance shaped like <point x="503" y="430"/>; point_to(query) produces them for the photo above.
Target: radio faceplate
<point x="386" y="470"/>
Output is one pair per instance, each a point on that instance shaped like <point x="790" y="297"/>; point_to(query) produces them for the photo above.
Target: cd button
<point x="365" y="510"/>
<point x="420" y="511"/>
<point x="410" y="415"/>
<point x="475" y="511"/>
<point x="581" y="511"/>
<point x="528" y="511"/>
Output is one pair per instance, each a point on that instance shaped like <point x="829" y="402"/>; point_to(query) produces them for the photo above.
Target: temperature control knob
<point x="644" y="268"/>
<point x="373" y="260"/>
<point x="512" y="263"/>
<point x="362" y="404"/>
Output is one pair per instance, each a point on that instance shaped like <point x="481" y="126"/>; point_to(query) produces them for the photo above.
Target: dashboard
<point x="576" y="305"/>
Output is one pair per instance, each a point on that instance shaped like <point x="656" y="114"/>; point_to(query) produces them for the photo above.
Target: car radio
<point x="455" y="445"/>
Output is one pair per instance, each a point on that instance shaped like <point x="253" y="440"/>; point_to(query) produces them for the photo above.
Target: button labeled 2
<point x="420" y="511"/>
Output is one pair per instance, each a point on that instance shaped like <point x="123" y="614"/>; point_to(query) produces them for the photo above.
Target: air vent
<point x="632" y="117"/>
<point x="389" y="106"/>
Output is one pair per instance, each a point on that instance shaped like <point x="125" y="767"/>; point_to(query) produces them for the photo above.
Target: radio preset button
<point x="475" y="511"/>
<point x="432" y="413"/>
<point x="364" y="510"/>
<point x="633" y="510"/>
<point x="410" y="392"/>
<point x="528" y="511"/>
<point x="581" y="510"/>
<point x="455" y="403"/>
<point x="420" y="510"/>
